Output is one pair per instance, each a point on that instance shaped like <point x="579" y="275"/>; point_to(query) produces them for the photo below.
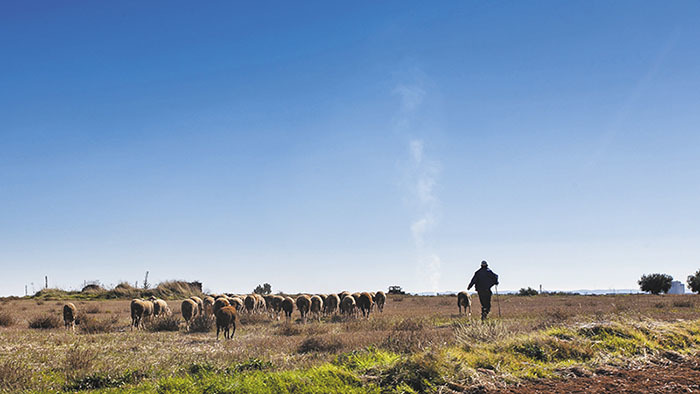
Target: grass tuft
<point x="45" y="322"/>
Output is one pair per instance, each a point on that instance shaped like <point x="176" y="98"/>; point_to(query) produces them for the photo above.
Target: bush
<point x="694" y="282"/>
<point x="202" y="323"/>
<point x="6" y="319"/>
<point x="164" y="323"/>
<point x="655" y="283"/>
<point x="45" y="322"/>
<point x="407" y="336"/>
<point x="91" y="325"/>
<point x="527" y="292"/>
<point x="320" y="344"/>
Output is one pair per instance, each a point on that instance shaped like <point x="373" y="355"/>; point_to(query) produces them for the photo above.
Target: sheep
<point x="220" y="303"/>
<point x="288" y="307"/>
<point x="226" y="321"/>
<point x="347" y="305"/>
<point x="364" y="302"/>
<point x="189" y="310"/>
<point x="343" y="295"/>
<point x="303" y="305"/>
<point x="209" y="305"/>
<point x="69" y="315"/>
<point x="464" y="301"/>
<point x="331" y="304"/>
<point x="200" y="304"/>
<point x="260" y="304"/>
<point x="160" y="308"/>
<point x="276" y="305"/>
<point x="138" y="307"/>
<point x="323" y="297"/>
<point x="316" y="306"/>
<point x="380" y="300"/>
<point x="237" y="302"/>
<point x="250" y="303"/>
<point x="372" y="296"/>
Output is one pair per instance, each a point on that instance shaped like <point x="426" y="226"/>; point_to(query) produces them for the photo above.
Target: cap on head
<point x="484" y="264"/>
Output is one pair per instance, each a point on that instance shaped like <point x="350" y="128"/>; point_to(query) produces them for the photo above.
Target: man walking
<point x="483" y="279"/>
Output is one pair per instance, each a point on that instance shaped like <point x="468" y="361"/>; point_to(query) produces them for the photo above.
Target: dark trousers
<point x="485" y="300"/>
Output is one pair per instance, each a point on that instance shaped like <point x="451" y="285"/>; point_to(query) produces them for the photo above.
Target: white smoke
<point x="422" y="176"/>
<point x="424" y="179"/>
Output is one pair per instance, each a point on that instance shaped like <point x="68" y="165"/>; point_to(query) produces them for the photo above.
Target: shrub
<point x="78" y="361"/>
<point x="407" y="336"/>
<point x="527" y="292"/>
<point x="288" y="329"/>
<point x="6" y="319"/>
<point x="655" y="283"/>
<point x="94" y="308"/>
<point x="91" y="325"/>
<point x="45" y="322"/>
<point x="164" y="323"/>
<point x="421" y="373"/>
<point x="694" y="282"/>
<point x="477" y="332"/>
<point x="202" y="323"/>
<point x="320" y="344"/>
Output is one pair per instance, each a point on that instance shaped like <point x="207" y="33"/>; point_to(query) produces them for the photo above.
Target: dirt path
<point x="671" y="375"/>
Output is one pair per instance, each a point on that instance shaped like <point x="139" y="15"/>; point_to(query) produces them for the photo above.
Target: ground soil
<point x="671" y="374"/>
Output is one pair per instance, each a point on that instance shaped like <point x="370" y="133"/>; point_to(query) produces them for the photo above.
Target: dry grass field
<point x="418" y="344"/>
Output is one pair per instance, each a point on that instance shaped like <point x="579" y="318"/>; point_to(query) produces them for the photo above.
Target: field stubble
<point x="418" y="343"/>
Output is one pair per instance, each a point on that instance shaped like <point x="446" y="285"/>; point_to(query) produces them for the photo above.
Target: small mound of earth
<point x="672" y="373"/>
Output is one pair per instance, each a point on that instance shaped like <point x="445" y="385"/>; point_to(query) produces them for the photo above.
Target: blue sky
<point x="323" y="146"/>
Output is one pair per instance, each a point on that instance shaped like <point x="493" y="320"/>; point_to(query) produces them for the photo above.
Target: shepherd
<point x="483" y="279"/>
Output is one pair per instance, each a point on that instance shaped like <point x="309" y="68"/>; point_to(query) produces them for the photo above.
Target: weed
<point x="201" y="323"/>
<point x="320" y="344"/>
<point x="164" y="323"/>
<point x="14" y="375"/>
<point x="45" y="322"/>
<point x="6" y="319"/>
<point x="91" y="325"/>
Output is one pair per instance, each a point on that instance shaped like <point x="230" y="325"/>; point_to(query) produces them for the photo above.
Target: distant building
<point x="677" y="288"/>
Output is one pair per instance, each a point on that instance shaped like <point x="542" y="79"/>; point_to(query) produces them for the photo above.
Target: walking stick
<point x="498" y="302"/>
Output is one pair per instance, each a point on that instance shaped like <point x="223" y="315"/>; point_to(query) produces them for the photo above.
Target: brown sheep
<point x="288" y="307"/>
<point x="189" y="310"/>
<point x="380" y="300"/>
<point x="464" y="301"/>
<point x="347" y="305"/>
<point x="160" y="308"/>
<point x="331" y="304"/>
<point x="323" y="297"/>
<point x="276" y="305"/>
<point x="209" y="305"/>
<point x="303" y="305"/>
<point x="220" y="303"/>
<point x="316" y="306"/>
<point x="138" y="308"/>
<point x="69" y="314"/>
<point x="343" y="295"/>
<point x="200" y="304"/>
<point x="250" y="303"/>
<point x="364" y="302"/>
<point x="226" y="321"/>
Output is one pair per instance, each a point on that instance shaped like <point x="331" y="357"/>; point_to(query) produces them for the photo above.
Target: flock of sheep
<point x="226" y="307"/>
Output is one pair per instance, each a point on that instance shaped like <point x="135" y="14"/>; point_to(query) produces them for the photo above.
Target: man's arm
<point x="472" y="282"/>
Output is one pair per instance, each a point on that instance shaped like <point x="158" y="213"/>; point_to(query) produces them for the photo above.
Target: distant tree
<point x="527" y="292"/>
<point x="655" y="283"/>
<point x="694" y="282"/>
<point x="263" y="289"/>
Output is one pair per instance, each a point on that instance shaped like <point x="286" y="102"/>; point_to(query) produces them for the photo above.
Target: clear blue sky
<point x="321" y="146"/>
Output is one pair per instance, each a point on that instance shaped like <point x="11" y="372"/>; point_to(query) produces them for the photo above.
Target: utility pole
<point x="26" y="293"/>
<point x="540" y="289"/>
<point x="46" y="282"/>
<point x="145" y="281"/>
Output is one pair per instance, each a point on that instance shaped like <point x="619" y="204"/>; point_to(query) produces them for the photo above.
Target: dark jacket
<point x="483" y="279"/>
